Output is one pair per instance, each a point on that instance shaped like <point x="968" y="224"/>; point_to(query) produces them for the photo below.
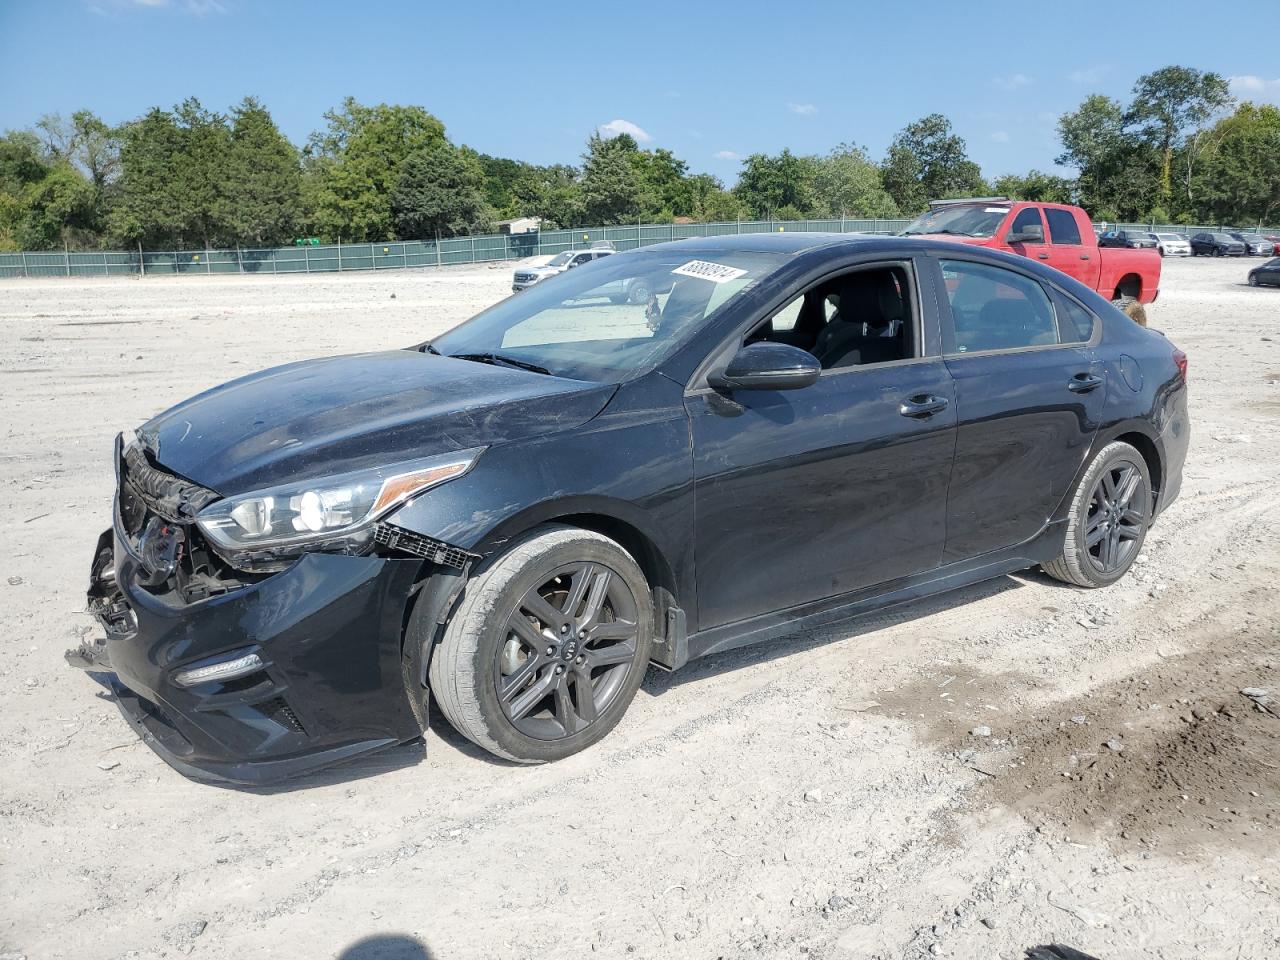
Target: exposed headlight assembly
<point x="334" y="514"/>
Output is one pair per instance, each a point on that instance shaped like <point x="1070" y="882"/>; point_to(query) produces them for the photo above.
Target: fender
<point x="645" y="483"/>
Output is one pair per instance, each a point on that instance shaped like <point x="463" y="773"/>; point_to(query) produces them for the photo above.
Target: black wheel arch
<point x="1137" y="434"/>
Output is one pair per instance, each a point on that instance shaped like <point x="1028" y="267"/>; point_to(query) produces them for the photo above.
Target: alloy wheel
<point x="570" y="643"/>
<point x="1117" y="517"/>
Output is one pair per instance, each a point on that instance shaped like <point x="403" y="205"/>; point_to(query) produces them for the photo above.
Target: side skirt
<point x="770" y="626"/>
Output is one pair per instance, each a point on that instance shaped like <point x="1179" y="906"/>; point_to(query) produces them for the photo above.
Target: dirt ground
<point x="1015" y="764"/>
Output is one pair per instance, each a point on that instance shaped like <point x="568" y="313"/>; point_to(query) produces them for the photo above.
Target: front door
<point x="812" y="493"/>
<point x="1029" y="394"/>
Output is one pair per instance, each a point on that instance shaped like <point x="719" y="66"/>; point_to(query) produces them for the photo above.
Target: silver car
<point x="1172" y="244"/>
<point x="526" y="277"/>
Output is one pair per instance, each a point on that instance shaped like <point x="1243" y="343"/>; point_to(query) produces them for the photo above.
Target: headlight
<point x="332" y="513"/>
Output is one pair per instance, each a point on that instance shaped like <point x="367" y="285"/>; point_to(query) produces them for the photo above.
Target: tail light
<point x="1180" y="360"/>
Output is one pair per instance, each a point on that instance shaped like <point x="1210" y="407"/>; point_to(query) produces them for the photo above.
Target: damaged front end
<point x="249" y="675"/>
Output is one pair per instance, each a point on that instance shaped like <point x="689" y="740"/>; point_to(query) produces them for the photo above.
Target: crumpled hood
<point x="321" y="417"/>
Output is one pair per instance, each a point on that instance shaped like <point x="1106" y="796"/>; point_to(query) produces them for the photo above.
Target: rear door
<point x="1029" y="393"/>
<point x="813" y="493"/>
<point x="1067" y="249"/>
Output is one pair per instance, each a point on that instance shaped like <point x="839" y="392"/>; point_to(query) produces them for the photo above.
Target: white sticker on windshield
<point x="996" y="210"/>
<point x="706" y="270"/>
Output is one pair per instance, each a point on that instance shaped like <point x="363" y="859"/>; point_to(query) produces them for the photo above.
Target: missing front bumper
<point x="328" y="631"/>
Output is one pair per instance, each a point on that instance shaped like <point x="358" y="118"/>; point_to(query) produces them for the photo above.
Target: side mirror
<point x="768" y="366"/>
<point x="1031" y="233"/>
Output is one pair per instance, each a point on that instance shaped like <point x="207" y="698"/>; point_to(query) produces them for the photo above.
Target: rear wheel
<point x="1110" y="514"/>
<point x="547" y="647"/>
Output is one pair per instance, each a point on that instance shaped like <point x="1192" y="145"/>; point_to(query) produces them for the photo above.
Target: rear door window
<point x="995" y="309"/>
<point x="1062" y="227"/>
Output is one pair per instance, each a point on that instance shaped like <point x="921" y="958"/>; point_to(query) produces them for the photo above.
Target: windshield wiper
<point x="428" y="348"/>
<point x="499" y="360"/>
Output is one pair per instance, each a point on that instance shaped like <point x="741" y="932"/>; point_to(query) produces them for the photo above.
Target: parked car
<point x="1132" y="239"/>
<point x="1266" y="275"/>
<point x="1069" y="243"/>
<point x="519" y="516"/>
<point x="526" y="277"/>
<point x="1275" y="239"/>
<point x="1255" y="245"/>
<point x="1172" y="244"/>
<point x="1216" y="245"/>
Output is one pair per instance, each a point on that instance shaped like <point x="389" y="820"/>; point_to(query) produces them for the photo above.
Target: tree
<point x="172" y="188"/>
<point x="610" y="184"/>
<point x="551" y="193"/>
<point x="355" y="164"/>
<point x="1239" y="181"/>
<point x="1036" y="186"/>
<point x="848" y="183"/>
<point x="767" y="184"/>
<point x="927" y="161"/>
<point x="263" y="178"/>
<point x="440" y="193"/>
<point x="1168" y="102"/>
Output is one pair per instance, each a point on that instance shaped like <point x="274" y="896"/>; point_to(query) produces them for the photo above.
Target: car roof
<point x="784" y="243"/>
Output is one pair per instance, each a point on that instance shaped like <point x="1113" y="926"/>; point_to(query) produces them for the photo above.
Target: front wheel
<point x="1217" y="251"/>
<point x="547" y="647"/>
<point x="1110" y="514"/>
<point x="639" y="292"/>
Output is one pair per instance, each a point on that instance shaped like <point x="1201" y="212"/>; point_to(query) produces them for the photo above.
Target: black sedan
<point x="1266" y="275"/>
<point x="522" y="515"/>
<point x="1255" y="245"/>
<point x="1216" y="245"/>
<point x="1132" y="239"/>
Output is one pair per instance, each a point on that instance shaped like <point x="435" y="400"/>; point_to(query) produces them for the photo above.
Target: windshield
<point x="1226" y="237"/>
<point x="967" y="221"/>
<point x="1167" y="236"/>
<point x="560" y="259"/>
<point x="1250" y="237"/>
<point x="609" y="319"/>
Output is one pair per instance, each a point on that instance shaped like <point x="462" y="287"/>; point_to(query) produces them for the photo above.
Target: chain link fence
<point x="408" y="254"/>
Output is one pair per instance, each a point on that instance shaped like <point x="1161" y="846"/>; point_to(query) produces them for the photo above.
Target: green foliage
<point x="1167" y="103"/>
<point x="356" y="162"/>
<point x="1239" y="182"/>
<point x="263" y="179"/>
<point x="927" y="161"/>
<point x="440" y="193"/>
<point x="768" y="184"/>
<point x="611" y="185"/>
<point x="847" y="183"/>
<point x="189" y="176"/>
<point x="1036" y="186"/>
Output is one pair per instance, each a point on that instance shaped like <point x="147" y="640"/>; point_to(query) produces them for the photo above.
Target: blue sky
<point x="711" y="81"/>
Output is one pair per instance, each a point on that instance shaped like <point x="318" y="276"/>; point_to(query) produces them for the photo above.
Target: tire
<point x="1123" y="528"/>
<point x="492" y="641"/>
<point x="1132" y="309"/>
<point x="1217" y="251"/>
<point x="1253" y="280"/>
<point x="639" y="292"/>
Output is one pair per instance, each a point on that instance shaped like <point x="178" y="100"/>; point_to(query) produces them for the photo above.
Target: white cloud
<point x="615" y="127"/>
<point x="1000" y="136"/>
<point x="727" y="155"/>
<point x="804" y="109"/>
<point x="1087" y="75"/>
<point x="1250" y="87"/>
<point x="1012" y="82"/>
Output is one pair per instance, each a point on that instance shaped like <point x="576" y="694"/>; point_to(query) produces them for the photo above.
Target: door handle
<point x="1084" y="256"/>
<point x="922" y="406"/>
<point x="1043" y="256"/>
<point x="1083" y="383"/>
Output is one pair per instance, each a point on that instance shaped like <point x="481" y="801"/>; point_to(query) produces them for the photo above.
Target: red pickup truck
<point x="1060" y="235"/>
